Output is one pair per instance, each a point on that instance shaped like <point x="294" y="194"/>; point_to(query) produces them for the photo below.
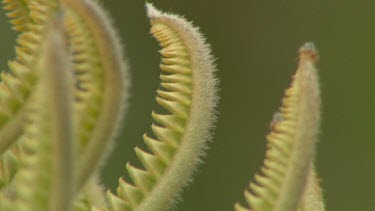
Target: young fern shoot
<point x="188" y="93"/>
<point x="102" y="82"/>
<point x="291" y="144"/>
<point x="16" y="87"/>
<point x="46" y="182"/>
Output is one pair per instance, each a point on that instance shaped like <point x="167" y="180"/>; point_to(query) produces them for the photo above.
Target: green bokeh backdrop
<point x="256" y="44"/>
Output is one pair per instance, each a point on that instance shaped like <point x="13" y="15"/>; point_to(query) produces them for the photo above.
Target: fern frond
<point x="89" y="76"/>
<point x="46" y="182"/>
<point x="291" y="143"/>
<point x="188" y="94"/>
<point x="103" y="82"/>
<point x="19" y="13"/>
<point x="313" y="197"/>
<point x="17" y="86"/>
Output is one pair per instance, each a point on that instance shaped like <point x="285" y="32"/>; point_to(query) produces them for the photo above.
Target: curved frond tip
<point x="291" y="143"/>
<point x="188" y="95"/>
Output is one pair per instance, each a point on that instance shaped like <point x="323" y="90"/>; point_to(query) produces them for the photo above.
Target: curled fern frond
<point x="46" y="181"/>
<point x="291" y="143"/>
<point x="102" y="82"/>
<point x="17" y="86"/>
<point x="18" y="12"/>
<point x="188" y="94"/>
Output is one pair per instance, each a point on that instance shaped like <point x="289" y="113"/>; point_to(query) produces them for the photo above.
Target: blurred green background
<point x="255" y="43"/>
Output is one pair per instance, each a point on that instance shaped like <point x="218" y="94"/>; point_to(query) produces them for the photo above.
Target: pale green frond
<point x="19" y="13"/>
<point x="291" y="143"/>
<point x="17" y="86"/>
<point x="46" y="182"/>
<point x="89" y="75"/>
<point x="102" y="82"/>
<point x="188" y="96"/>
<point x="313" y="197"/>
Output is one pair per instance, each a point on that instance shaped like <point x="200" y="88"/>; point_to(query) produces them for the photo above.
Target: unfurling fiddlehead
<point x="102" y="82"/>
<point x="17" y="86"/>
<point x="291" y="144"/>
<point x="48" y="140"/>
<point x="188" y="93"/>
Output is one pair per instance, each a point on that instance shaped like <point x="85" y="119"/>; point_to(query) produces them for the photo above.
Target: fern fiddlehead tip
<point x="291" y="143"/>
